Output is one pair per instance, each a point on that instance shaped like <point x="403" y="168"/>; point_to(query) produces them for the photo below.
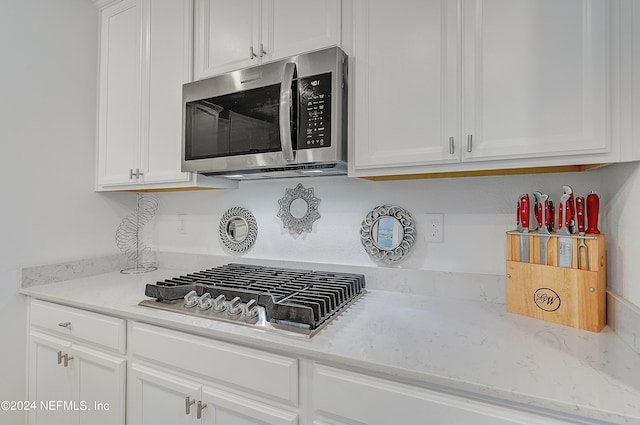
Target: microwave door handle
<point x="285" y="116"/>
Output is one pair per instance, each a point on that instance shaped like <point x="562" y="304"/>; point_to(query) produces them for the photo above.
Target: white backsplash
<point x="477" y="213"/>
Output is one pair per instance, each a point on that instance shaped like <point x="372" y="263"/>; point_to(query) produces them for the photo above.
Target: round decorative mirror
<point x="388" y="233"/>
<point x="238" y="229"/>
<point x="298" y="209"/>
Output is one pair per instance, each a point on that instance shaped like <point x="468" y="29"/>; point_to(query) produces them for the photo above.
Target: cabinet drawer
<point x="265" y="374"/>
<point x="81" y="325"/>
<point x="375" y="401"/>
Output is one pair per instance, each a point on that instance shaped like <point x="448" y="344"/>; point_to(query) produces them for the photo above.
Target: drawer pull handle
<point x="200" y="408"/>
<point x="66" y="359"/>
<point x="188" y="403"/>
<point x="64" y="324"/>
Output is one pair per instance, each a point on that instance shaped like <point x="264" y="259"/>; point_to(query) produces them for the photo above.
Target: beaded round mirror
<point x="238" y="229"/>
<point x="388" y="233"/>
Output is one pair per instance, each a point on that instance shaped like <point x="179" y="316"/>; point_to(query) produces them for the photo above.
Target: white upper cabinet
<point x="120" y="86"/>
<point x="231" y="35"/>
<point x="535" y="78"/>
<point x="442" y="85"/>
<point x="406" y="92"/>
<point x="145" y="59"/>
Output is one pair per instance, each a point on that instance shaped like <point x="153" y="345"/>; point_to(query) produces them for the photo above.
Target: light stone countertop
<point x="474" y="348"/>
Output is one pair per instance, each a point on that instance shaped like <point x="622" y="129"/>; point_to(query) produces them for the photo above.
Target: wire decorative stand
<point x="128" y="238"/>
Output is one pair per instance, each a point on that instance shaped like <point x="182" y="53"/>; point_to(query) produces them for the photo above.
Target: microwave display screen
<point x="315" y="112"/>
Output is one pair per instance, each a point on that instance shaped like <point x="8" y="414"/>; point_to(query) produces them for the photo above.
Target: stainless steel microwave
<point x="281" y="119"/>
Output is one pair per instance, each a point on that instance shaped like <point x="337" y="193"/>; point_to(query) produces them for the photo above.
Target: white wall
<point x="621" y="192"/>
<point x="477" y="213"/>
<point x="49" y="211"/>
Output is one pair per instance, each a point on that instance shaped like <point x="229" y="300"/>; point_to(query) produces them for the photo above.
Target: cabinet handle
<point x="64" y="324"/>
<point x="200" y="408"/>
<point x="452" y="147"/>
<point x="469" y="143"/>
<point x="66" y="359"/>
<point x="137" y="174"/>
<point x="262" y="51"/>
<point x="188" y="403"/>
<point x="59" y="357"/>
<point x="251" y="53"/>
<point x="131" y="174"/>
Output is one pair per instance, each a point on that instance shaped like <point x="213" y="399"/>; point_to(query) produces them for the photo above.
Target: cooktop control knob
<point x="204" y="302"/>
<point x="235" y="306"/>
<point x="218" y="304"/>
<point x="191" y="299"/>
<point x="251" y="310"/>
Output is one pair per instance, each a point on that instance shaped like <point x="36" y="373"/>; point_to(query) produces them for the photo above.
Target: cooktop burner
<point x="300" y="301"/>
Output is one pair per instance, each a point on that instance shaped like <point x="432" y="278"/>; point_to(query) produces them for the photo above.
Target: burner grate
<point x="290" y="296"/>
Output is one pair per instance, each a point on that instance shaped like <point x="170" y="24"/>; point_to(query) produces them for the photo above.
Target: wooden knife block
<point x="568" y="296"/>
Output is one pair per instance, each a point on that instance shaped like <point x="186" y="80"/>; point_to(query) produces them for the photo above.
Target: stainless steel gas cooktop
<point x="285" y="300"/>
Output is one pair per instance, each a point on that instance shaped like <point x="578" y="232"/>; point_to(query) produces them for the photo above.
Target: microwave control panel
<point x="314" y="130"/>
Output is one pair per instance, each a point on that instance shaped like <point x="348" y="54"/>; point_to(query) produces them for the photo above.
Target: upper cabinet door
<point x="167" y="42"/>
<point x="227" y="36"/>
<point x="120" y="74"/>
<point x="290" y="27"/>
<point x="405" y="91"/>
<point x="535" y="78"/>
<point x="231" y="35"/>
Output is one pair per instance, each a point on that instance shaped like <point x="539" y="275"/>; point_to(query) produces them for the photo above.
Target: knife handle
<point x="560" y="217"/>
<point x="580" y="213"/>
<point x="593" y="209"/>
<point x="552" y="212"/>
<point x="547" y="212"/>
<point x="524" y="211"/>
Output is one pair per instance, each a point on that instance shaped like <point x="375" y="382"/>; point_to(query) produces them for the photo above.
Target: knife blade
<point x="542" y="201"/>
<point x="565" y="245"/>
<point x="524" y="212"/>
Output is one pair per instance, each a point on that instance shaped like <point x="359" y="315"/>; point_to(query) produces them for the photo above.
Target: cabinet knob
<point x="187" y="404"/>
<point x="201" y="406"/>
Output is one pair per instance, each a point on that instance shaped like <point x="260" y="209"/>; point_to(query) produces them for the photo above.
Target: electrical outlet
<point x="182" y="224"/>
<point x="434" y="228"/>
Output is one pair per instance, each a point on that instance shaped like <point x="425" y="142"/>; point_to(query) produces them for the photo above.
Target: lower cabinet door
<point x="100" y="387"/>
<point x="157" y="398"/>
<point x="50" y="382"/>
<point x="360" y="399"/>
<point x="224" y="408"/>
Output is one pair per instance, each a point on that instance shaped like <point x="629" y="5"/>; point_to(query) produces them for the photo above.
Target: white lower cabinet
<point x="157" y="397"/>
<point x="73" y="384"/>
<point x="77" y="370"/>
<point x="342" y="397"/>
<point x="198" y="380"/>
